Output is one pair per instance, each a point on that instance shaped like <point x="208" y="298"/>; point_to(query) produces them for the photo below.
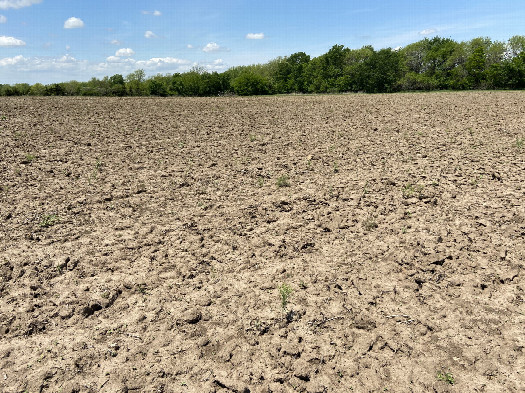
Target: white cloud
<point x="23" y="64"/>
<point x="3" y="19"/>
<point x="124" y="52"/>
<point x="255" y="36"/>
<point x="113" y="59"/>
<point x="115" y="42"/>
<point x="68" y="47"/>
<point x="213" y="47"/>
<point x="427" y="31"/>
<point x="216" y="65"/>
<point x="189" y="46"/>
<point x="157" y="62"/>
<point x="59" y="69"/>
<point x="73" y="23"/>
<point x="10" y="41"/>
<point x="6" y="4"/>
<point x="9" y="61"/>
<point x="154" y="13"/>
<point x="150" y="34"/>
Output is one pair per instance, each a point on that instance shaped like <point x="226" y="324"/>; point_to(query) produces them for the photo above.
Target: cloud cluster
<point x="6" y="4"/>
<point x="255" y="36"/>
<point x="59" y="69"/>
<point x="73" y="23"/>
<point x="10" y="41"/>
<point x="9" y="61"/>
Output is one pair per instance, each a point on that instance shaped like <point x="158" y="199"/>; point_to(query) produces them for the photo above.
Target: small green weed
<point x="142" y="289"/>
<point x="410" y="190"/>
<point x="96" y="170"/>
<point x="520" y="142"/>
<point x="446" y="377"/>
<point x="370" y="223"/>
<point x="28" y="158"/>
<point x="283" y="181"/>
<point x="49" y="220"/>
<point x="285" y="291"/>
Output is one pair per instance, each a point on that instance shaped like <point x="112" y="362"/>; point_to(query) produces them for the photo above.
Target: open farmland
<point x="272" y="244"/>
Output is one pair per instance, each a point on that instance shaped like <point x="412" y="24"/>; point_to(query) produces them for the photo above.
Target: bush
<point x="250" y="84"/>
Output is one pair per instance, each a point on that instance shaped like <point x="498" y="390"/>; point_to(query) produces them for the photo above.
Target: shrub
<point x="250" y="84"/>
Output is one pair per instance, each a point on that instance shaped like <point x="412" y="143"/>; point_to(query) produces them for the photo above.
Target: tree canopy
<point x="429" y="64"/>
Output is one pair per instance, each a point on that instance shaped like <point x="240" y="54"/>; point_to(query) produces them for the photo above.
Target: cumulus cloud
<point x="24" y="64"/>
<point x="157" y="62"/>
<point x="73" y="23"/>
<point x="9" y="61"/>
<point x="213" y="47"/>
<point x="216" y="65"/>
<point x="154" y="13"/>
<point x="62" y="68"/>
<point x="6" y="4"/>
<point x="255" y="36"/>
<point x="427" y="31"/>
<point x="3" y="19"/>
<point x="189" y="46"/>
<point x="115" y="42"/>
<point x="125" y="52"/>
<point x="10" y="41"/>
<point x="150" y="34"/>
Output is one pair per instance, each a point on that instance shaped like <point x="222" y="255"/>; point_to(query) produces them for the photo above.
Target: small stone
<point x="192" y="316"/>
<point x="204" y="301"/>
<point x="203" y="341"/>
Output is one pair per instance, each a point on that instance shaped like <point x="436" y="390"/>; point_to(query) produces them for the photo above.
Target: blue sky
<point x="59" y="40"/>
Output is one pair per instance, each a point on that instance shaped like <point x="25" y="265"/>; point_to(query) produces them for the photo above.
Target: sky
<point x="50" y="41"/>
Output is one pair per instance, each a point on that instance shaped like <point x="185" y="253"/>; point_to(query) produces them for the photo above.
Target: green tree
<point x="250" y="84"/>
<point x="117" y="85"/>
<point x="475" y="67"/>
<point x="516" y="45"/>
<point x="38" y="89"/>
<point x="157" y="86"/>
<point x="135" y="83"/>
<point x="381" y="72"/>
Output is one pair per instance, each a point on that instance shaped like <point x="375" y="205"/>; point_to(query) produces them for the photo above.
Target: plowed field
<point x="360" y="243"/>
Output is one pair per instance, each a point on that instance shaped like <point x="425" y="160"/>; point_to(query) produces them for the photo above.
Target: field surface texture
<point x="347" y="243"/>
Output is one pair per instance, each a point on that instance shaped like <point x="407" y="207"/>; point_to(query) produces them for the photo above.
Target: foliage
<point x="429" y="64"/>
<point x="285" y="291"/>
<point x="249" y="84"/>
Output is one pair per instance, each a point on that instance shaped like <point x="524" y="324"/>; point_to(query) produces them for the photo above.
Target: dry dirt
<point x="144" y="243"/>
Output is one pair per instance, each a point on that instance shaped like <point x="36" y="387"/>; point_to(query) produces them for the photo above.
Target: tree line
<point x="429" y="64"/>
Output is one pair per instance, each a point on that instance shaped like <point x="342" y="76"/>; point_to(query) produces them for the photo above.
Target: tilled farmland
<point x="348" y="243"/>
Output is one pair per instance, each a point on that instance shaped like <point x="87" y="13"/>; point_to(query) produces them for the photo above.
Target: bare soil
<point x="145" y="244"/>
